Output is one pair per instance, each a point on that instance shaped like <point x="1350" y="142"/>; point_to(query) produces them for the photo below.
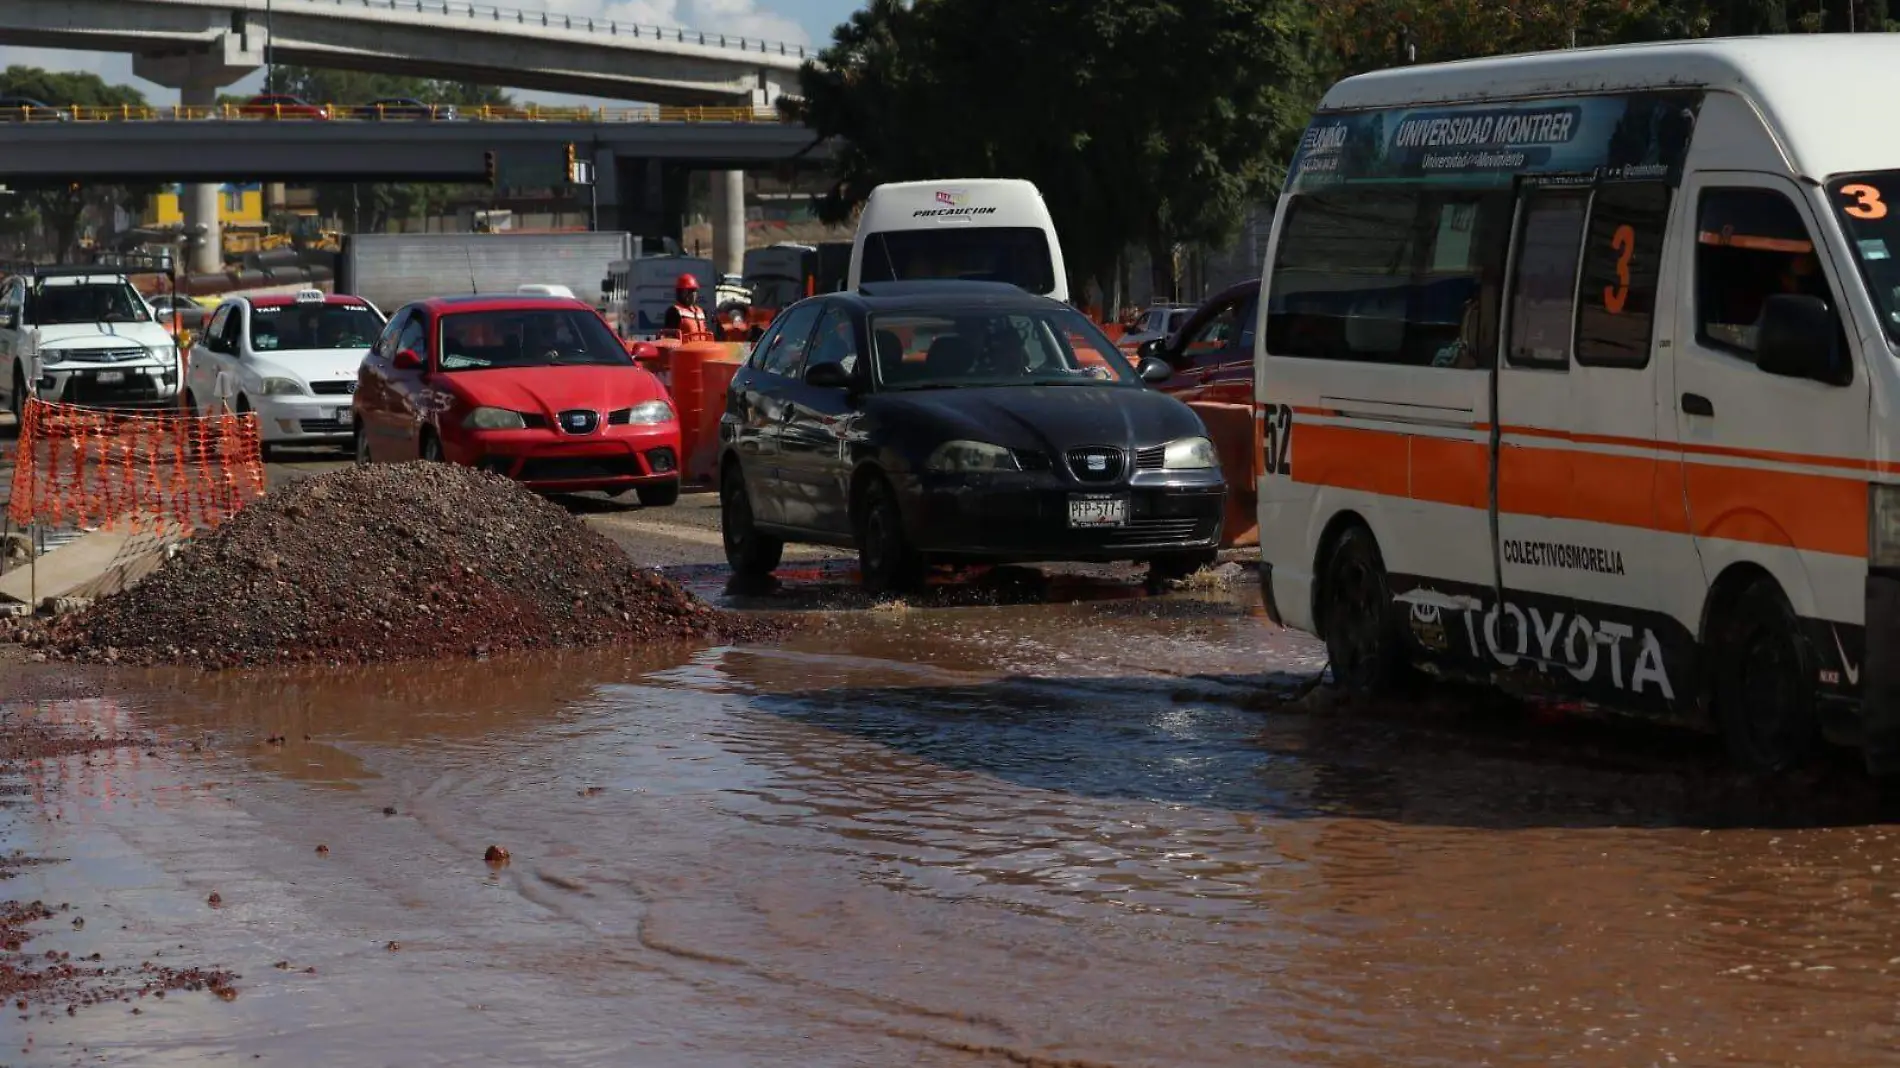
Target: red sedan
<point x="535" y="388"/>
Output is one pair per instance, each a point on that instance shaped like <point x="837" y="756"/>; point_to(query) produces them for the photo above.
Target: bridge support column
<point x="728" y="222"/>
<point x="199" y="205"/>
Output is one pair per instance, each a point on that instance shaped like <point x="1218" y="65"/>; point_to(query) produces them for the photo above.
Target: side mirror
<point x="1151" y="349"/>
<point x="643" y="350"/>
<point x="1799" y="338"/>
<point x="1152" y="370"/>
<point x="408" y="360"/>
<point x="828" y="376"/>
<point x="9" y="320"/>
<point x="606" y="286"/>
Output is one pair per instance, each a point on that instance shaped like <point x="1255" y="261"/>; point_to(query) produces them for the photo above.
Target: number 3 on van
<point x="1276" y="436"/>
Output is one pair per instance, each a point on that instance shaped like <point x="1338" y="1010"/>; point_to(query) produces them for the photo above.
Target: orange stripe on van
<point x="1818" y="513"/>
<point x="1372" y="461"/>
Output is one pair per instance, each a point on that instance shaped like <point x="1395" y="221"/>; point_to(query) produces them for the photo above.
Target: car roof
<point x="944" y="296"/>
<point x="286" y="300"/>
<point x="481" y="302"/>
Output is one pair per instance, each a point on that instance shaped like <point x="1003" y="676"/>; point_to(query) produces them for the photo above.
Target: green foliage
<point x="1143" y="122"/>
<point x="54" y="209"/>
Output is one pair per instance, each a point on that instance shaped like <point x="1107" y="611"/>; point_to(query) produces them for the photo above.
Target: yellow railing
<point x="367" y="113"/>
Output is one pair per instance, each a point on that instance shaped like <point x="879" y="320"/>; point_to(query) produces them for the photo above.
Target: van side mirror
<point x="1799" y="338"/>
<point x="606" y="285"/>
<point x="9" y="320"/>
<point x="1151" y="349"/>
<point x="408" y="360"/>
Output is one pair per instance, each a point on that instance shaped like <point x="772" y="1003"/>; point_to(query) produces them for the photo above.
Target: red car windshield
<point x="531" y="337"/>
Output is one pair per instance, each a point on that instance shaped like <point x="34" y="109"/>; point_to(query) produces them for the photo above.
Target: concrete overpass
<point x="641" y="167"/>
<point x="207" y="44"/>
<point x="201" y="46"/>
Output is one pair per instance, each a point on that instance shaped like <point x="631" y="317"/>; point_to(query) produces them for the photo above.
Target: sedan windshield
<point x="1869" y="209"/>
<point x="948" y="350"/>
<point x="528" y="337"/>
<point x="291" y="328"/>
<point x="107" y="302"/>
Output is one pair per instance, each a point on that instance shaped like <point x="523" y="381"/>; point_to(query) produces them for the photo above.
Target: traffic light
<point x="489" y="171"/>
<point x="570" y="161"/>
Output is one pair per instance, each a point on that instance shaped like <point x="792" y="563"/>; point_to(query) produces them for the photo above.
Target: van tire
<point x="1763" y="682"/>
<point x="1364" y="642"/>
<point x="16" y="401"/>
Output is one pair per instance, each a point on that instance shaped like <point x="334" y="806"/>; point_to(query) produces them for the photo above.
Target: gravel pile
<point x="389" y="562"/>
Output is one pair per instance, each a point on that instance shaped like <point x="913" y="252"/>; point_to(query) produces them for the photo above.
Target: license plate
<point x="109" y="378"/>
<point x="342" y="415"/>
<point x="1098" y="511"/>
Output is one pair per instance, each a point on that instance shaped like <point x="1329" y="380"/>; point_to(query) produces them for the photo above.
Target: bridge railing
<point x="564" y="21"/>
<point x="387" y="113"/>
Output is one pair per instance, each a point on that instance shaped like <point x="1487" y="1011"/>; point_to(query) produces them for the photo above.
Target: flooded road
<point x="1070" y="833"/>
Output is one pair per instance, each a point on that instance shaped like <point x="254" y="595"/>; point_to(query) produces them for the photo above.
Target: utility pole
<point x="270" y="66"/>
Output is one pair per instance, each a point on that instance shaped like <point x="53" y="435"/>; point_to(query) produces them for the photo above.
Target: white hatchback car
<point x="292" y="359"/>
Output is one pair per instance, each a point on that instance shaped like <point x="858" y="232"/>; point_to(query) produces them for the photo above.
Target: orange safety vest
<point x="692" y="323"/>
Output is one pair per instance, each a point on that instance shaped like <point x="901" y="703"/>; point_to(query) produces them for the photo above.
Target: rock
<point x="496" y="856"/>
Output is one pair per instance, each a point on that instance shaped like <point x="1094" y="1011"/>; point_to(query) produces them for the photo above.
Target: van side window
<point x="1544" y="292"/>
<point x="1750" y="244"/>
<point x="1622" y="264"/>
<point x="1390" y="276"/>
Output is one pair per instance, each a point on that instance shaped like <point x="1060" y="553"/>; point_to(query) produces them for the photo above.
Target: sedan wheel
<point x="362" y="445"/>
<point x="887" y="563"/>
<point x="431" y="449"/>
<point x="751" y="555"/>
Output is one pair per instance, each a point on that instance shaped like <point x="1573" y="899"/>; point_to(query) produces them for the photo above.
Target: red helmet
<point x="686" y="281"/>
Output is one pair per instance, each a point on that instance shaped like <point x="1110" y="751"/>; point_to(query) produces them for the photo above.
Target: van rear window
<point x="1018" y="255"/>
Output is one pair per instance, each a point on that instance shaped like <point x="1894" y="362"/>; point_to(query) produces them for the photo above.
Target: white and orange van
<point x="1582" y="369"/>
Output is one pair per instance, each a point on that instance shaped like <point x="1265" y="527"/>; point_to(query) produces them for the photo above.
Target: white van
<point x="1580" y="369"/>
<point x="636" y="293"/>
<point x="979" y="229"/>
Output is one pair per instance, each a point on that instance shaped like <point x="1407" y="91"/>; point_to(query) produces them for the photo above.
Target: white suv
<point x="83" y="335"/>
<point x="292" y="359"/>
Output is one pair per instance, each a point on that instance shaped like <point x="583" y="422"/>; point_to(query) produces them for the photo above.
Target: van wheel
<point x="17" y="402"/>
<point x="1363" y="639"/>
<point x="750" y="554"/>
<point x="887" y="562"/>
<point x="1764" y="682"/>
<point x="361" y="444"/>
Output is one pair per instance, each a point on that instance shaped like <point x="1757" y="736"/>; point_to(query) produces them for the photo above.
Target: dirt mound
<point x="410" y="561"/>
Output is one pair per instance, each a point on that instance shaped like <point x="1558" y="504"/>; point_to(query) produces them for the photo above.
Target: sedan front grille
<point x="579" y="421"/>
<point x="1096" y="463"/>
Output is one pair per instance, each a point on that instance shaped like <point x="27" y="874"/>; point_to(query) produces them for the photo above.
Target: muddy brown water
<point x="949" y="836"/>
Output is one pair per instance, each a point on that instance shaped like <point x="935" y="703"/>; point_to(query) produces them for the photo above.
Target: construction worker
<point x="686" y="317"/>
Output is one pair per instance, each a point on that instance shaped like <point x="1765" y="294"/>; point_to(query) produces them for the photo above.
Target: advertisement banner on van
<point x="1637" y="136"/>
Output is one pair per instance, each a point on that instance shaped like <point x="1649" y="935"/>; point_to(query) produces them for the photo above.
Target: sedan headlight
<point x="972" y="456"/>
<point x="657" y="411"/>
<point x="1189" y="454"/>
<point x="283" y="387"/>
<point x="494" y="419"/>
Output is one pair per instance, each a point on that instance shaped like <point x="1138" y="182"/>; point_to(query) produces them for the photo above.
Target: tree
<point x="1144" y="122"/>
<point x="55" y="209"/>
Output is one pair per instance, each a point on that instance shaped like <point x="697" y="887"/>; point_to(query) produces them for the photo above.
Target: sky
<point x="807" y="22"/>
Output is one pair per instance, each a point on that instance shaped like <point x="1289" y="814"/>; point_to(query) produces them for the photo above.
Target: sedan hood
<point x="551" y="390"/>
<point x="312" y="365"/>
<point x="1046" y="418"/>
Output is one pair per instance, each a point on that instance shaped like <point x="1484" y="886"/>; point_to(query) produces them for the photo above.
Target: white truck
<point x="391" y="270"/>
<point x="84" y="335"/>
<point x="637" y="292"/>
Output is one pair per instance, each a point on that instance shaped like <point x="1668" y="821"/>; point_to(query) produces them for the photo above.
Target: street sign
<point x="527" y="170"/>
<point x="580" y="172"/>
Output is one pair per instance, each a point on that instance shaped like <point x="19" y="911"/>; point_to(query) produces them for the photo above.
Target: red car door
<point x="390" y="396"/>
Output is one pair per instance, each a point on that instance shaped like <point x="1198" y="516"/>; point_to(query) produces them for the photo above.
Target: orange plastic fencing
<point x="151" y="469"/>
